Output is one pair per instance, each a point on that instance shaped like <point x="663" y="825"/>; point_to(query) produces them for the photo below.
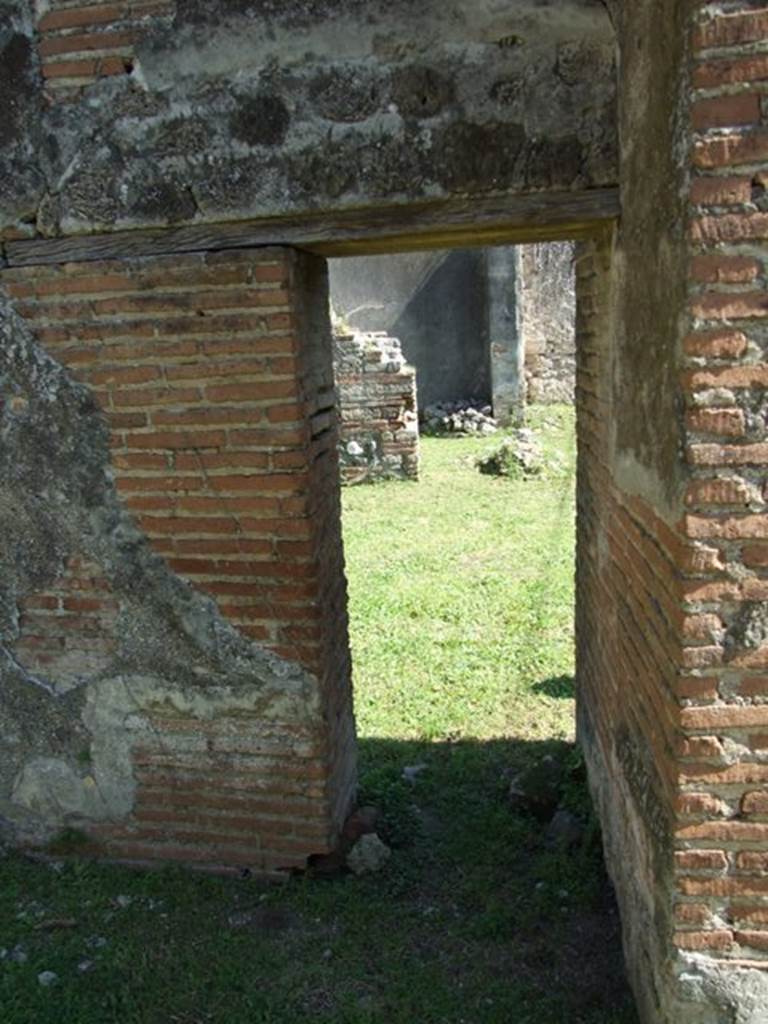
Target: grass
<point x="461" y="607"/>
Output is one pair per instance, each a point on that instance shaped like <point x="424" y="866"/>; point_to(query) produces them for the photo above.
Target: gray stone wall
<point x="435" y="304"/>
<point x="547" y="316"/>
<point x="252" y="109"/>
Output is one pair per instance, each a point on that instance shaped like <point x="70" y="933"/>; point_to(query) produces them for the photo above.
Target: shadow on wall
<point x="435" y="303"/>
<point x="508" y="902"/>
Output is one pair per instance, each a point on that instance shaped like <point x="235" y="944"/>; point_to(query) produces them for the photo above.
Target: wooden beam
<point x="441" y="224"/>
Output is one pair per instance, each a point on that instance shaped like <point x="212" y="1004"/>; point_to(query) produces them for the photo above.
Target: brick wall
<point x="379" y="435"/>
<point x="80" y="42"/>
<point x="672" y="627"/>
<point x="215" y="375"/>
<point x="722" y="854"/>
<point x="628" y="632"/>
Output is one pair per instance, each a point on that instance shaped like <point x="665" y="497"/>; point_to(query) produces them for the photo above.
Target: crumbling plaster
<point x="66" y="751"/>
<point x="246" y="109"/>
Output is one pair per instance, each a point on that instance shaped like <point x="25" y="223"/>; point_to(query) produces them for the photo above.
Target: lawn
<point x="461" y="593"/>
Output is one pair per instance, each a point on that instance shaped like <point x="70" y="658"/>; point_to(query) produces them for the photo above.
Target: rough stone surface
<point x="222" y="111"/>
<point x="547" y="316"/>
<point x="378" y="413"/>
<point x="368" y="855"/>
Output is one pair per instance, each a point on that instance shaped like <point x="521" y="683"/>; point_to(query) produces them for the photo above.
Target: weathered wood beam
<point x="450" y="223"/>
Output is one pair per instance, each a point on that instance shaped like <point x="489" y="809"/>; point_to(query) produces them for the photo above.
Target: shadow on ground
<point x="479" y="918"/>
<point x="561" y="687"/>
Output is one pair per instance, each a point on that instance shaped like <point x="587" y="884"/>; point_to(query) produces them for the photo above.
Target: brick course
<point x="79" y="43"/>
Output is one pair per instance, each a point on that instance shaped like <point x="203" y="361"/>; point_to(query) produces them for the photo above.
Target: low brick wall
<point x="379" y="435"/>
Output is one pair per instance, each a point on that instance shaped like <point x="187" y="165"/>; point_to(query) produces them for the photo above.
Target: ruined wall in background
<point x="169" y="497"/>
<point x="378" y="413"/>
<point x="547" y="316"/>
<point x="435" y="303"/>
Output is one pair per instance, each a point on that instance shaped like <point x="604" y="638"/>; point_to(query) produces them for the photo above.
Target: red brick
<point x="755" y="556"/>
<point x="748" y="913"/>
<point x="730" y="227"/>
<point x="96" y="67"/>
<point x="696" y="590"/>
<point x="733" y="29"/>
<point x="753" y="375"/>
<point x="754" y="939"/>
<point x="756" y="802"/>
<point x="716" y="344"/>
<point x="728" y="455"/>
<point x="732" y="71"/>
<point x="731" y="150"/>
<point x="701" y="627"/>
<point x="729" y="422"/>
<point x="717" y="492"/>
<point x="701" y="860"/>
<point x="83" y="42"/>
<point x="752" y="861"/>
<point x="727" y="527"/>
<point x="729" y="305"/>
<point x="726" y="111"/>
<point x="721" y="191"/>
<point x="727" y="832"/>
<point x="75" y="17"/>
<point x="696" y="688"/>
<point x="701" y="805"/>
<point x="724" y="269"/>
<point x="720" y="940"/>
<point x="693" y="913"/>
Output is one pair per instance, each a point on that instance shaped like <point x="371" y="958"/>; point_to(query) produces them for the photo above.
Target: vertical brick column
<point x="722" y="857"/>
<point x="672" y="608"/>
<point x="215" y="374"/>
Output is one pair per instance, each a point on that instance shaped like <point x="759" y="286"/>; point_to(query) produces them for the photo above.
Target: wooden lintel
<point x="450" y="223"/>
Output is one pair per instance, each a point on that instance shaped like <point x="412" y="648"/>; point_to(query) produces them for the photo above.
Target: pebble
<point x="123" y="901"/>
<point x="412" y="771"/>
<point x="18" y="955"/>
<point x="47" y="978"/>
<point x="368" y="855"/>
<point x="85" y="965"/>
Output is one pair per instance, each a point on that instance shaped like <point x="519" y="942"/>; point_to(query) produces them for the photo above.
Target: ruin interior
<point x="173" y="178"/>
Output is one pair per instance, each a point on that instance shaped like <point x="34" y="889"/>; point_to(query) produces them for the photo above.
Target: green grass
<point x="461" y="597"/>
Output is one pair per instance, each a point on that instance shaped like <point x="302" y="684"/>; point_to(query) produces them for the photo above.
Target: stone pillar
<point x="505" y="340"/>
<point x="193" y="588"/>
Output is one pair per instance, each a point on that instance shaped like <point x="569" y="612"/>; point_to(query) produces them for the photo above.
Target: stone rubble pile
<point x="518" y="455"/>
<point x="464" y="417"/>
<point x="378" y="418"/>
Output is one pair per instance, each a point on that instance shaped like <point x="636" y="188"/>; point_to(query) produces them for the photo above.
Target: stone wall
<point x="379" y="425"/>
<point x="547" y="317"/>
<point x="435" y="303"/>
<point x="158" y="112"/>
